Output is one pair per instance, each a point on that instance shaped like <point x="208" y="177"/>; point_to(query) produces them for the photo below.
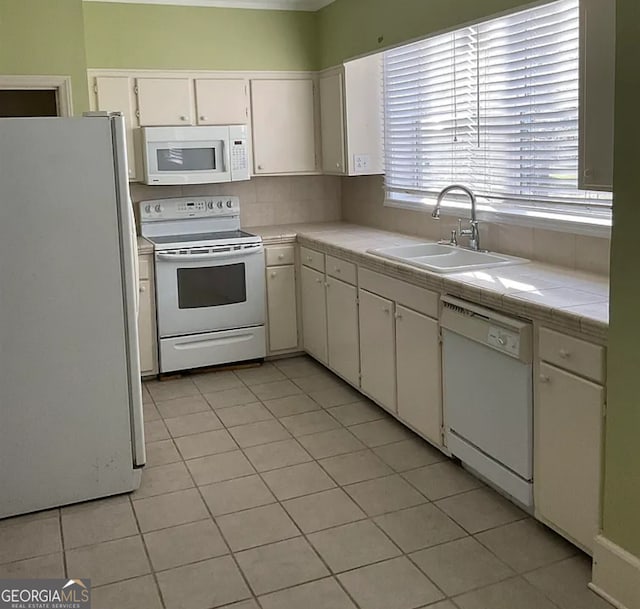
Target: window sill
<point x="514" y="217"/>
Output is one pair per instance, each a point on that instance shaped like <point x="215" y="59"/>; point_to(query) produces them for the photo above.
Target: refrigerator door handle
<point x="130" y="287"/>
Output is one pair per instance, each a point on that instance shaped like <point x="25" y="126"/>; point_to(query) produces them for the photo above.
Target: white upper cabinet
<point x="597" y="91"/>
<point x="222" y="101"/>
<point x="115" y="94"/>
<point x="332" y="123"/>
<point x="351" y="117"/>
<point x="283" y="113"/>
<point x="165" y="101"/>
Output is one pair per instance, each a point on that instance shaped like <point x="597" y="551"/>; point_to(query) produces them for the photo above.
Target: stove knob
<point x="219" y="204"/>
<point x="229" y="204"/>
<point x="210" y="204"/>
<point x="158" y="208"/>
<point x="147" y="209"/>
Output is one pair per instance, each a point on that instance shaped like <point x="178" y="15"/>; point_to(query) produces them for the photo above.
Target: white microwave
<point x="195" y="155"/>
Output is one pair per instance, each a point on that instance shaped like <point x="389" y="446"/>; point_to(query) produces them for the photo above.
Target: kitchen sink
<point x="440" y="258"/>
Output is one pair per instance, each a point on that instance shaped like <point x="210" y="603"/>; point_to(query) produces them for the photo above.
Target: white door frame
<point x="61" y="85"/>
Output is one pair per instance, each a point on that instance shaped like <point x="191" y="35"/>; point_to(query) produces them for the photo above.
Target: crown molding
<point x="274" y="5"/>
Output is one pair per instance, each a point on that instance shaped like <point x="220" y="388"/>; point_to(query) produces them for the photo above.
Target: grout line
<point x="146" y="551"/>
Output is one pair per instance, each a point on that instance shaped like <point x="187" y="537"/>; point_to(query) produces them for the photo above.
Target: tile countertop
<point x="144" y="246"/>
<point x="562" y="297"/>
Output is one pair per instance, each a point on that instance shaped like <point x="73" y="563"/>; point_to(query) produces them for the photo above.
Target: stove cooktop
<point x="231" y="235"/>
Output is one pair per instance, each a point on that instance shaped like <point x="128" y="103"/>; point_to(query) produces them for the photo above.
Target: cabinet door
<point x="115" y="94"/>
<point x="567" y="453"/>
<point x="146" y="329"/>
<point x="222" y="101"/>
<point x="332" y="123"/>
<point x="342" y="330"/>
<point x="418" y="373"/>
<point x="164" y="101"/>
<point x="281" y="308"/>
<point x="283" y="126"/>
<point x="363" y="108"/>
<point x="314" y="313"/>
<point x="377" y="349"/>
<point x="597" y="93"/>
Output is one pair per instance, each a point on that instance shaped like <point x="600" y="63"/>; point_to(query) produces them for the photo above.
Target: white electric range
<point x="210" y="286"/>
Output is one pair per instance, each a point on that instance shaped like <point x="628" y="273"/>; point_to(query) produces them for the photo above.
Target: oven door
<point x="209" y="289"/>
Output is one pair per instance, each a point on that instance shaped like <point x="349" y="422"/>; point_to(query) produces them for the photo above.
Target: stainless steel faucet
<point x="473" y="233"/>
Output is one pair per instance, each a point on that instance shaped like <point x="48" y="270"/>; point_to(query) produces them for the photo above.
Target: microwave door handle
<point x="225" y="151"/>
<point x="213" y="256"/>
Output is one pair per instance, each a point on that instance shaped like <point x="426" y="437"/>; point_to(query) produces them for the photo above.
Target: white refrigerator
<point x="71" y="426"/>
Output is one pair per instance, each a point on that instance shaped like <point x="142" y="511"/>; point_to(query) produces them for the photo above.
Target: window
<point x="493" y="106"/>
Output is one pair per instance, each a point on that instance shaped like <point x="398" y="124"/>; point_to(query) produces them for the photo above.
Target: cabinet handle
<point x="184" y="118"/>
<point x="337" y="270"/>
<point x="544" y="378"/>
<point x="260" y="167"/>
<point x="280" y="256"/>
<point x="309" y="258"/>
<point x="338" y="165"/>
<point x="274" y="274"/>
<point x="203" y="118"/>
<point x="327" y="285"/>
<point x="564" y="354"/>
<point x="386" y="310"/>
<point x="398" y="316"/>
<point x="318" y="280"/>
<point x="588" y="173"/>
<point x="143" y="288"/>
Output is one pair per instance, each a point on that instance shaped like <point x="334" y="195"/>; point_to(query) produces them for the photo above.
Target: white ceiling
<point x="292" y="5"/>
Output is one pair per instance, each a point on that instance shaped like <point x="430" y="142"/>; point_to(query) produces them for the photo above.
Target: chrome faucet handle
<point x="454" y="238"/>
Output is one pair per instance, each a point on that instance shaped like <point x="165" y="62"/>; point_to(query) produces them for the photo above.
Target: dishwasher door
<point x="488" y="396"/>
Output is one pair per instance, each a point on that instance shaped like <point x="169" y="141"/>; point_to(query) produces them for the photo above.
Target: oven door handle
<point x="213" y="256"/>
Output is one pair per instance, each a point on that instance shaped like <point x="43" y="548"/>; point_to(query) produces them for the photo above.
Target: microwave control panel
<point x="238" y="155"/>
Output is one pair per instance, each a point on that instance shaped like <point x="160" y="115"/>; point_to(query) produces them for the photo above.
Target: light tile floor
<point x="280" y="487"/>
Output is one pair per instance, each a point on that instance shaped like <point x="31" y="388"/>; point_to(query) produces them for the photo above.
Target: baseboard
<point x="616" y="574"/>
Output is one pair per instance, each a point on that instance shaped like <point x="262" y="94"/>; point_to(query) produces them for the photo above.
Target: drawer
<point x="407" y="294"/>
<point x="341" y="269"/>
<point x="312" y="258"/>
<point x="144" y="267"/>
<point x="573" y="354"/>
<point x="280" y="254"/>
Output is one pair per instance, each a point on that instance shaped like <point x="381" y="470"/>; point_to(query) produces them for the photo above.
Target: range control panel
<point x="189" y="207"/>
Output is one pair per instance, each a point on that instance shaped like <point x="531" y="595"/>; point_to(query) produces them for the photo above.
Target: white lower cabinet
<point x="567" y="454"/>
<point x="281" y="308"/>
<point x="314" y="313"/>
<point x="147" y="340"/>
<point x="418" y="365"/>
<point x="342" y="330"/>
<point x="377" y="349"/>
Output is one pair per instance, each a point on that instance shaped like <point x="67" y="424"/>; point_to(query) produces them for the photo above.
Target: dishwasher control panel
<point x="504" y="340"/>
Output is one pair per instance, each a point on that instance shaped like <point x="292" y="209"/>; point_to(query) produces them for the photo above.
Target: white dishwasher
<point x="488" y="395"/>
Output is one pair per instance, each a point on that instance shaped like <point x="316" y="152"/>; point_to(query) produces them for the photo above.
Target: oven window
<point x="211" y="286"/>
<point x="186" y="159"/>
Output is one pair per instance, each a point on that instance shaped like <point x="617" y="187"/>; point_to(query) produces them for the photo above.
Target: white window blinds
<point x="493" y="106"/>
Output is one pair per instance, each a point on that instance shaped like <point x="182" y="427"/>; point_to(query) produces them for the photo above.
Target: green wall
<point x="40" y="37"/>
<point x="197" y="38"/>
<point x="622" y="469"/>
<point x="351" y="27"/>
<point x="348" y="28"/>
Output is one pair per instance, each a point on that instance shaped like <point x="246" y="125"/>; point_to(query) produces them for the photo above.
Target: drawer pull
<point x="398" y="316"/>
<point x="544" y="378"/>
<point x="274" y="274"/>
<point x="309" y="258"/>
<point x="143" y="288"/>
<point x="564" y="354"/>
<point x="280" y="256"/>
<point x="386" y="310"/>
<point x="337" y="270"/>
<point x="318" y="280"/>
<point x="327" y="285"/>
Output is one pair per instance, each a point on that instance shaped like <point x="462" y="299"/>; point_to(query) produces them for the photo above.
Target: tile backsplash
<point x="265" y="200"/>
<point x="362" y="203"/>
